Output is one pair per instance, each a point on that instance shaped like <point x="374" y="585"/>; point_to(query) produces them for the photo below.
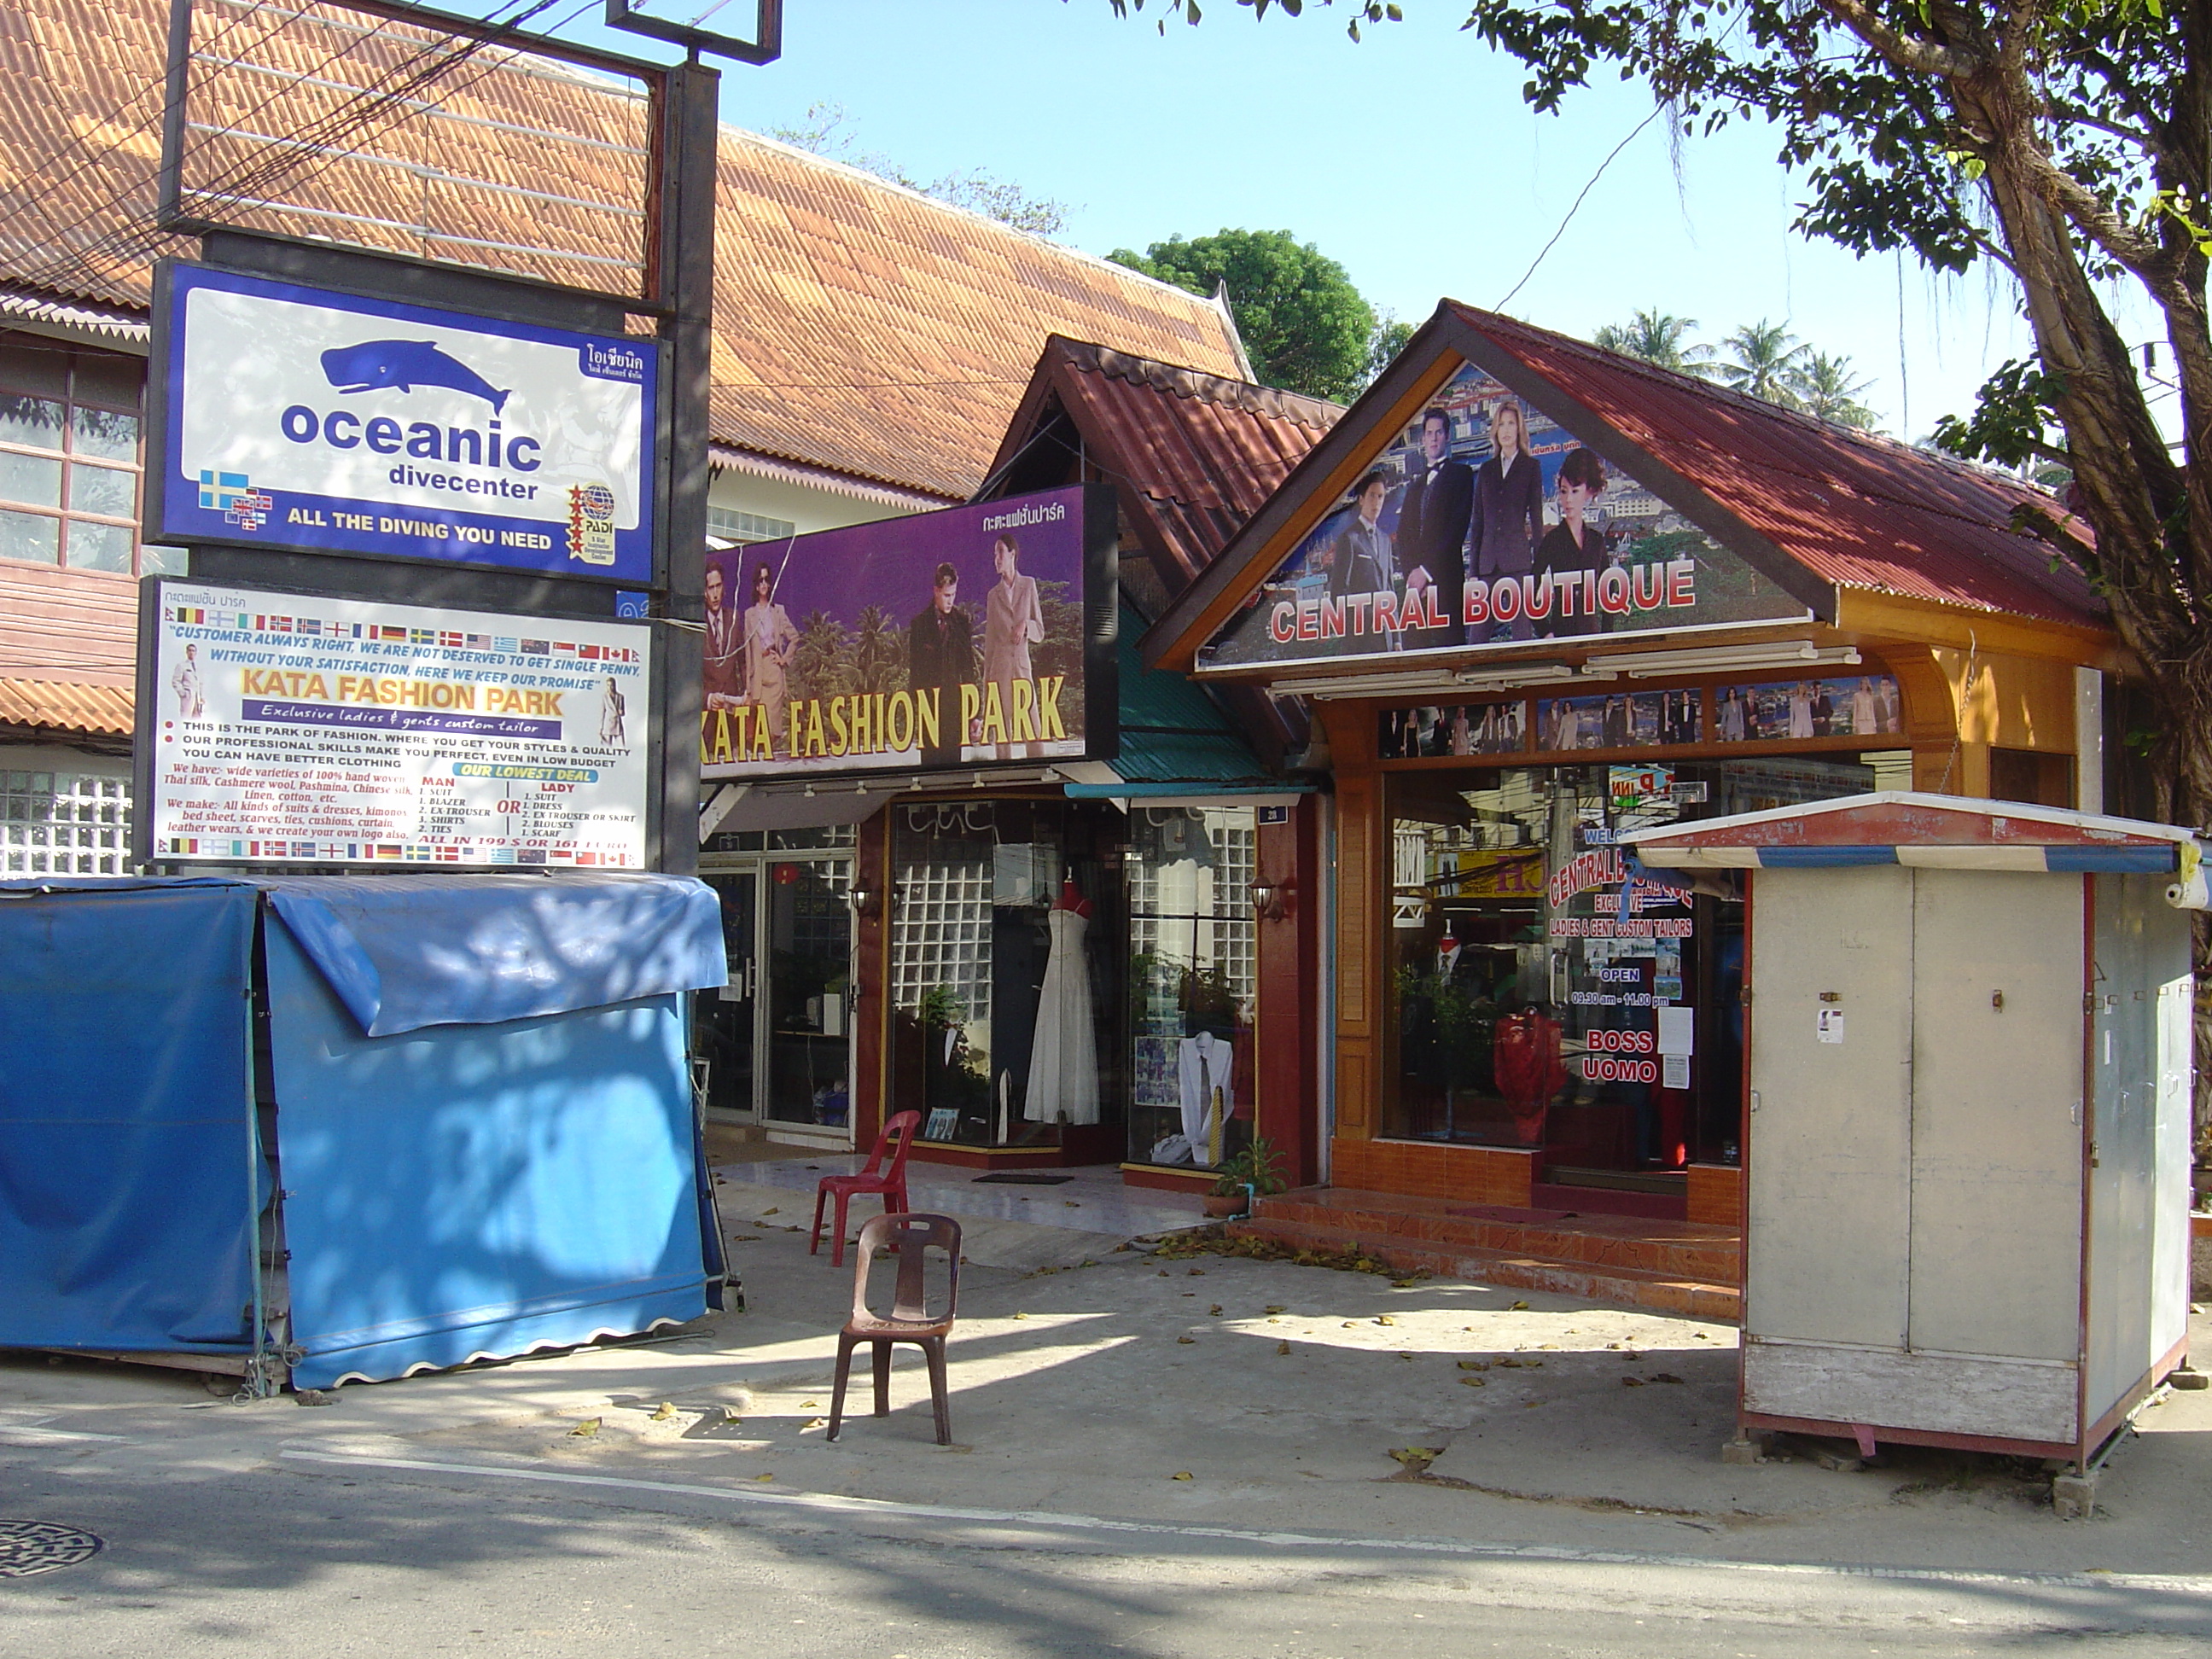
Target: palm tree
<point x="879" y="659"/>
<point x="1826" y="387"/>
<point x="1655" y="337"/>
<point x="1764" y="359"/>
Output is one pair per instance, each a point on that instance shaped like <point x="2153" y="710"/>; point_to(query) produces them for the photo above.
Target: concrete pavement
<point x="1081" y="1393"/>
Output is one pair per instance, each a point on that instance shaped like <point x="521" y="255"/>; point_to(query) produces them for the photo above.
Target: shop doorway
<point x="776" y="1044"/>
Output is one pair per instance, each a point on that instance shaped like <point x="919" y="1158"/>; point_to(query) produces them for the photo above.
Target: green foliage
<point x="1305" y="326"/>
<point x="1259" y="1165"/>
<point x="879" y="652"/>
<point x="1061" y="651"/>
<point x="1387" y="340"/>
<point x="822" y="664"/>
<point x="1826" y="388"/>
<point x="1764" y="359"/>
<point x="1655" y="337"/>
<point x="2014" y="417"/>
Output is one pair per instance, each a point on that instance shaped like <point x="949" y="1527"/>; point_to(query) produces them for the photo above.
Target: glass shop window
<point x="1194" y="983"/>
<point x="1006" y="917"/>
<point x="1542" y="997"/>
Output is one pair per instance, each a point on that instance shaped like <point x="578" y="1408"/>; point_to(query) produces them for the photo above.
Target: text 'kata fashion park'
<point x="880" y="722"/>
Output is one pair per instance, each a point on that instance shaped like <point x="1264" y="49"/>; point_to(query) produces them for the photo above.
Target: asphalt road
<point x="221" y="1543"/>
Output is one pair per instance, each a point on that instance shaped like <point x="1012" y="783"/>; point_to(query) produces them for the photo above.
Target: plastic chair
<point x="898" y="1134"/>
<point x="908" y="1238"/>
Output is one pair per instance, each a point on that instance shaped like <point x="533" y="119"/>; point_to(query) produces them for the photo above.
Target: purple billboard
<point x="980" y="635"/>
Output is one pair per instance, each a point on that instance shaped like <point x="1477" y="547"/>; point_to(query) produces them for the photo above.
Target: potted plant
<point x="1258" y="1166"/>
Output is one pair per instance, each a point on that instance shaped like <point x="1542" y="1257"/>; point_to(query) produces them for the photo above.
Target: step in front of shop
<point x="1678" y="1267"/>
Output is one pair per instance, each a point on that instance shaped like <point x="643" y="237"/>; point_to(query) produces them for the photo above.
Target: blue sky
<point x="1409" y="158"/>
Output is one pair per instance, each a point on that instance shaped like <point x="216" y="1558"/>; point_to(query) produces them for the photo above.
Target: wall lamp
<point x="866" y="900"/>
<point x="1270" y="900"/>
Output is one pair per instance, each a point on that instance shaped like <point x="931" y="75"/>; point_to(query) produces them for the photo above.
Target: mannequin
<point x="1204" y="1064"/>
<point x="1064" y="1059"/>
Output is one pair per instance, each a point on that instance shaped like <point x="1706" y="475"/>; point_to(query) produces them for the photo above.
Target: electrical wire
<point x="1575" y="206"/>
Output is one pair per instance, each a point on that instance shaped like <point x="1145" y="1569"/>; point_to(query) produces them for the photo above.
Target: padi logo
<point x="403" y="365"/>
<point x="611" y="361"/>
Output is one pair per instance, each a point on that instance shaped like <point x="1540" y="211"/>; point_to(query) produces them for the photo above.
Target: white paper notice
<point x="1674" y="1071"/>
<point x="1677" y="1032"/>
<point x="319" y="731"/>
<point x="1830" y="1028"/>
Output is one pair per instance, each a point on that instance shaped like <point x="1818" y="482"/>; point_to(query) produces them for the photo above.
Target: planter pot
<point x="1221" y="1208"/>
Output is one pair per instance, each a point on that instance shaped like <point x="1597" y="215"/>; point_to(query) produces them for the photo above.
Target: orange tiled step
<point x="1675" y="1249"/>
<point x="1626" y="1286"/>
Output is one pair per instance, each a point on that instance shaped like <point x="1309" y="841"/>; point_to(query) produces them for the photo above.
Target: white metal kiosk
<point x="1966" y="1128"/>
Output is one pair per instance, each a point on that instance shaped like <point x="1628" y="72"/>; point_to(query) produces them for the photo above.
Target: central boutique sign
<point x="301" y="418"/>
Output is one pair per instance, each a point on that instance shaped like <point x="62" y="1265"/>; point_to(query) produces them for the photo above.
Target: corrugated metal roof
<point x="1856" y="509"/>
<point x="59" y="706"/>
<point x="1199" y="453"/>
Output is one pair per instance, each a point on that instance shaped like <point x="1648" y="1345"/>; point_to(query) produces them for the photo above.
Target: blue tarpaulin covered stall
<point x="464" y="1129"/>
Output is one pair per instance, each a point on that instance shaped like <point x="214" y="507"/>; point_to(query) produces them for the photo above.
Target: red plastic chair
<point x="908" y="1238"/>
<point x="898" y="1134"/>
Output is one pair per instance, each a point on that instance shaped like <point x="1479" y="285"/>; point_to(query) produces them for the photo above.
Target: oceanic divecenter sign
<point x="287" y="728"/>
<point x="302" y="418"/>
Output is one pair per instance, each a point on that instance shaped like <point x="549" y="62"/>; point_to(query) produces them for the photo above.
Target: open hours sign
<point x="306" y="419"/>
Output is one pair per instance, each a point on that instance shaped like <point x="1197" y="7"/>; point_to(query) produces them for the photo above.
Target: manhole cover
<point x="29" y="1546"/>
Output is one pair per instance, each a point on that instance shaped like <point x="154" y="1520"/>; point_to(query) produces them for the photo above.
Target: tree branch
<point x="1920" y="57"/>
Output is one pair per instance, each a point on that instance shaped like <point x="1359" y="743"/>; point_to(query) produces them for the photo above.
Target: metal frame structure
<point x="676" y="292"/>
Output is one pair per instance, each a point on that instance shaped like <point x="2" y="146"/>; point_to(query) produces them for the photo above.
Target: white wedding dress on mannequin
<point x="1064" y="1057"/>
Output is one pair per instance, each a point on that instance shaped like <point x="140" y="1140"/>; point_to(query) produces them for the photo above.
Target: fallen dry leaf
<point x="1274" y="1307"/>
<point x="1215" y="1308"/>
<point x="1475" y="1364"/>
<point x="1664" y="1376"/>
<point x="1182" y="1474"/>
<point x="1351" y="1324"/>
<point x="1384" y="1319"/>
<point x="1474" y="1381"/>
<point x="1509" y="1365"/>
<point x="1516" y="1307"/>
<point x="763" y="1476"/>
<point x="778" y="1210"/>
<point x="1417" y="1457"/>
<point x="590" y="1427"/>
<point x="1196" y="1273"/>
<point x="1185" y="1338"/>
<point x="815" y="1422"/>
<point x="666" y="1411"/>
<point x="810" y="1404"/>
<point x="744" y="1238"/>
<point x="1282" y="1347"/>
<point x="1632" y="1382"/>
<point x="1021" y="1316"/>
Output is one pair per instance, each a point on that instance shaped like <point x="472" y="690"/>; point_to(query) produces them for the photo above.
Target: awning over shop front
<point x="1175" y="741"/>
<point x="1945" y="832"/>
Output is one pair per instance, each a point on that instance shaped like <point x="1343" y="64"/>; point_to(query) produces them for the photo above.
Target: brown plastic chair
<point x="907" y="1238"/>
<point x="897" y="1135"/>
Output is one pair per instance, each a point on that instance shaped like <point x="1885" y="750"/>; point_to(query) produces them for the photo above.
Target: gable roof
<point x="858" y="326"/>
<point x="1194" y="455"/>
<point x="1818" y="507"/>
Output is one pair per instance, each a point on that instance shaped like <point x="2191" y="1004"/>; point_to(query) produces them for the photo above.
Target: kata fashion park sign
<point x="973" y="636"/>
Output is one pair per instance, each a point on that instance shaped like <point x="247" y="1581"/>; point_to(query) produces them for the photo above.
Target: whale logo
<point x="384" y="365"/>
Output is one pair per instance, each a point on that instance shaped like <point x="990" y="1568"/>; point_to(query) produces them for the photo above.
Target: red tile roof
<point x="1858" y="510"/>
<point x="858" y="326"/>
<point x="1196" y="454"/>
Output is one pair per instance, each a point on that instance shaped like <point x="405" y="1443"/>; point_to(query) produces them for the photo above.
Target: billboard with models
<point x="980" y="635"/>
<point x="1486" y="523"/>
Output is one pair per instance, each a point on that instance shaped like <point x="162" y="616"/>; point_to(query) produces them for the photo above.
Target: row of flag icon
<point x="328" y="852"/>
<point x="443" y="638"/>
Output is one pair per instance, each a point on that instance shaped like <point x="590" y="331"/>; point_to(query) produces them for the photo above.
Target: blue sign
<point x="306" y="419"/>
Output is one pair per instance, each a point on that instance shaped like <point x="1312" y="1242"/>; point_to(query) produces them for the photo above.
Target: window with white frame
<point x="726" y="524"/>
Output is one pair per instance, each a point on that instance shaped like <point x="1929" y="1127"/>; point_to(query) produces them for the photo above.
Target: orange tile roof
<point x="98" y="710"/>
<point x="858" y="326"/>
